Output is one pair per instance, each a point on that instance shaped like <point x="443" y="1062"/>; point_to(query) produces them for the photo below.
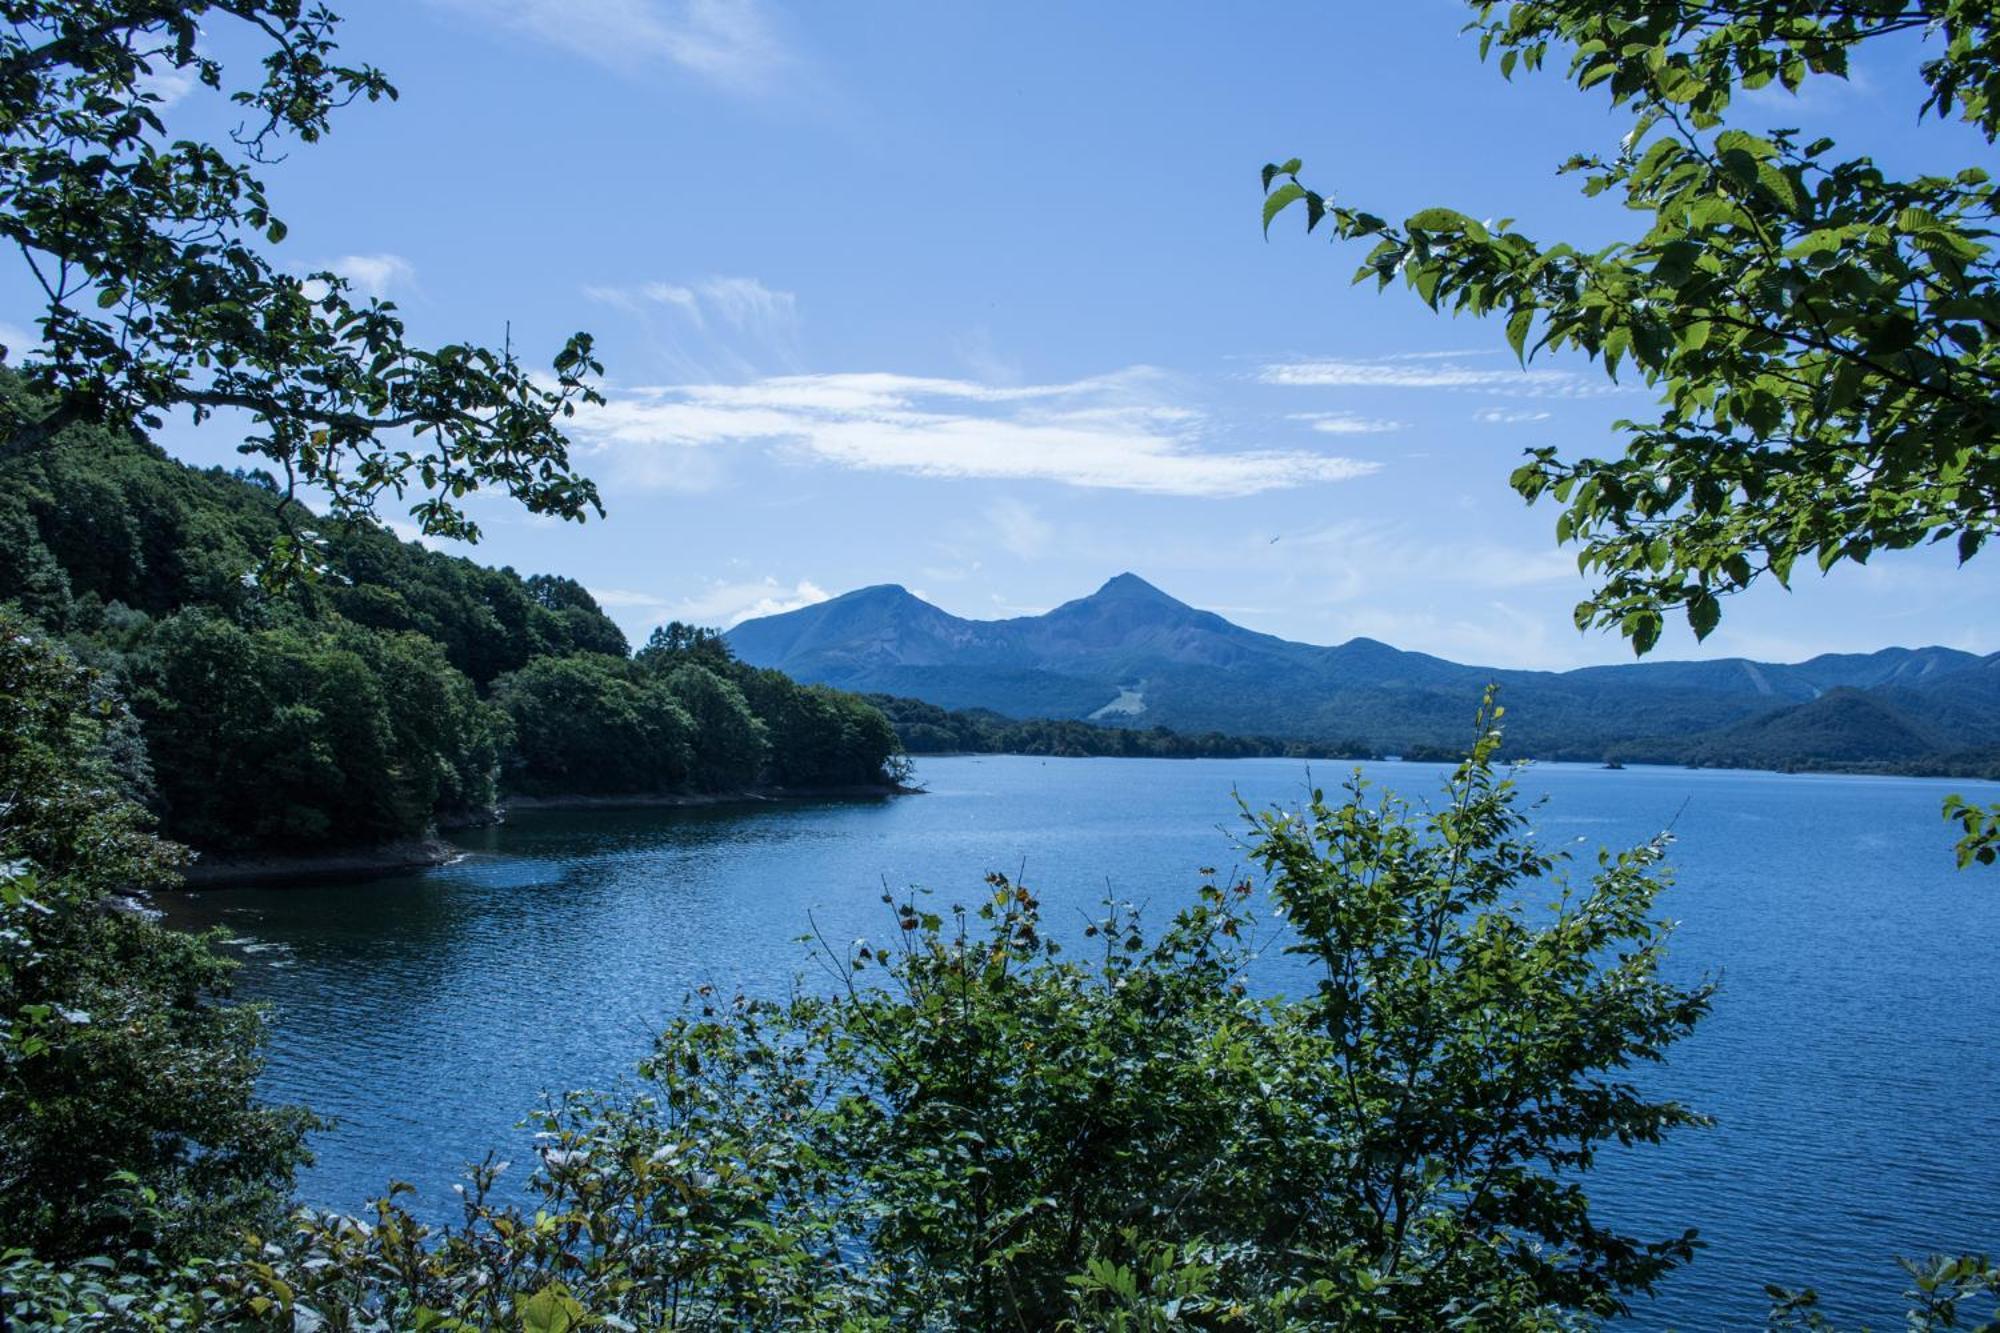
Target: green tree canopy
<point x="149" y="252"/>
<point x="980" y="1128"/>
<point x="589" y="725"/>
<point x="128" y="1110"/>
<point x="1825" y="336"/>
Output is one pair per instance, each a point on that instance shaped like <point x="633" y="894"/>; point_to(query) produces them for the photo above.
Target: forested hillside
<point x="397" y="687"/>
<point x="928" y="729"/>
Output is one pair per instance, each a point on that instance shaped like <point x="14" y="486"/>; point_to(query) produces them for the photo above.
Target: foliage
<point x="123" y="1079"/>
<point x="1429" y="978"/>
<point x="662" y="723"/>
<point x="976" y="1128"/>
<point x="1981" y="842"/>
<point x="352" y="708"/>
<point x="676" y="642"/>
<point x="821" y="737"/>
<point x="927" y="729"/>
<point x="1822" y="333"/>
<point x="148" y="251"/>
<point x="731" y="745"/>
<point x="591" y="725"/>
<point x="1941" y="1291"/>
<point x="305" y="735"/>
<point x="1819" y="331"/>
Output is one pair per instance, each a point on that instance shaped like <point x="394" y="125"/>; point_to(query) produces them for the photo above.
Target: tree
<point x="149" y="254"/>
<point x="308" y="735"/>
<point x="587" y="724"/>
<point x="676" y="642"/>
<point x="980" y="1129"/>
<point x="129" y="1118"/>
<point x="730" y="746"/>
<point x="1825" y="337"/>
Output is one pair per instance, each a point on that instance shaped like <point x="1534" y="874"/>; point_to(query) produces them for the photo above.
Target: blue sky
<point x="972" y="298"/>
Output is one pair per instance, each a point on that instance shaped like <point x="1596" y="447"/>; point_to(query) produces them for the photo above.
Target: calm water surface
<point x="1852" y="1061"/>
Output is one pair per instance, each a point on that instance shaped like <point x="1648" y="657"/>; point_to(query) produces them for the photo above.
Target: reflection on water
<point x="1850" y="1063"/>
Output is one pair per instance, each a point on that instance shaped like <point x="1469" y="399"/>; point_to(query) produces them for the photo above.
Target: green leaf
<point x="1517" y="330"/>
<point x="1704" y="614"/>
<point x="550" y="1310"/>
<point x="1279" y="200"/>
<point x="1437" y="219"/>
<point x="1272" y="170"/>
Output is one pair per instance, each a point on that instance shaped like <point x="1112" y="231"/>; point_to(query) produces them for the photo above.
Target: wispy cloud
<point x="1113" y="432"/>
<point x="1508" y="416"/>
<point x="18" y="340"/>
<point x="729" y="326"/>
<point x="745" y="304"/>
<point x="1348" y="423"/>
<point x="165" y="81"/>
<point x="721" y="603"/>
<point x="1368" y="548"/>
<point x="1020" y="529"/>
<point x="407" y="530"/>
<point x="1414" y="373"/>
<point x="730" y="43"/>
<point x="376" y="275"/>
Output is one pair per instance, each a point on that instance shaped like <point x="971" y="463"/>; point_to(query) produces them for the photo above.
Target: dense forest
<point x="393" y="687"/>
<point x="926" y="728"/>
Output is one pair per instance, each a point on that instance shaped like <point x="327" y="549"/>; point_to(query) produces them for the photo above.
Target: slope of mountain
<point x="1130" y="654"/>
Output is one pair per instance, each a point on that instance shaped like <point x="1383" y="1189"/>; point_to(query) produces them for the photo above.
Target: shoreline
<point x="409" y="854"/>
<point x="675" y="800"/>
<point x="223" y="872"/>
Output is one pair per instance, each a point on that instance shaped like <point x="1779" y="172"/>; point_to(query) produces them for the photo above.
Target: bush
<point x="123" y="1076"/>
<point x="977" y="1130"/>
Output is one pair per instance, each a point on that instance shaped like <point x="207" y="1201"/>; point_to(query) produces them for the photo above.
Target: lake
<point x="1852" y="1061"/>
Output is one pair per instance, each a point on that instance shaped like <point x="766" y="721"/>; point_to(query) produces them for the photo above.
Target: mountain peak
<point x="1129" y="585"/>
<point x="878" y="592"/>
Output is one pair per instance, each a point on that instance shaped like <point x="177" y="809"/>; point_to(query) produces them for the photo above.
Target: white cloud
<point x="1401" y="373"/>
<point x="681" y="298"/>
<point x="1347" y="423"/>
<point x="165" y="81"/>
<point x="1368" y="548"/>
<point x="407" y="530"/>
<point x="1113" y="432"/>
<point x="722" y="603"/>
<point x="747" y="304"/>
<point x="1507" y="416"/>
<point x="18" y="341"/>
<point x="744" y="304"/>
<point x="741" y="323"/>
<point x="1020" y="529"/>
<point x="376" y="275"/>
<point x="728" y="42"/>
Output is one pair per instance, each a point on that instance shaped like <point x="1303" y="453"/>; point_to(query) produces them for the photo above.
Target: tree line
<point x="393" y="687"/>
<point x="925" y="728"/>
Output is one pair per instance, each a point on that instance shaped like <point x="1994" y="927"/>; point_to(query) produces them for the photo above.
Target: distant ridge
<point x="1131" y="653"/>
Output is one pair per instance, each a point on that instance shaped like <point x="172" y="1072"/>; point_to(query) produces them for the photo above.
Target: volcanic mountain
<point x="1129" y="654"/>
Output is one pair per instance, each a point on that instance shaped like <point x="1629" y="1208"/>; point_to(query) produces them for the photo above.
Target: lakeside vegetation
<point x="928" y="729"/>
<point x="970" y="1129"/>
<point x="395" y="687"/>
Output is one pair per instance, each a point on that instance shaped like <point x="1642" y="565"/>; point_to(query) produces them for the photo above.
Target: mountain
<point x="1130" y="654"/>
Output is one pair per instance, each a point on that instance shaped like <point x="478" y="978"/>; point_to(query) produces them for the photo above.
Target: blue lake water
<point x="1852" y="1062"/>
